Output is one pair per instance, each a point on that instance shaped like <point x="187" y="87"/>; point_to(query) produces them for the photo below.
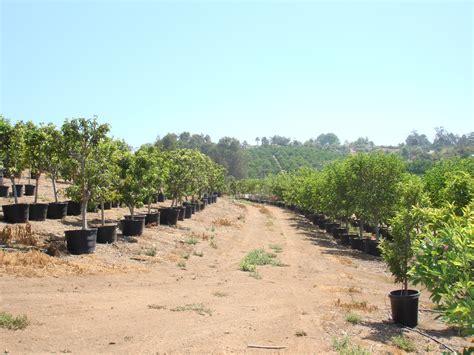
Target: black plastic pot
<point x="132" y="227"/>
<point x="19" y="190"/>
<point x="107" y="234"/>
<point x="181" y="211"/>
<point x="405" y="307"/>
<point x="81" y="241"/>
<point x="161" y="197"/>
<point x="356" y="243"/>
<point x="336" y="232"/>
<point x="30" y="189"/>
<point x="373" y="247"/>
<point x="169" y="216"/>
<point x="4" y="191"/>
<point x="205" y="201"/>
<point x="152" y="218"/>
<point x="38" y="211"/>
<point x="196" y="207"/>
<point x="115" y="204"/>
<point x="16" y="213"/>
<point x="73" y="208"/>
<point x="344" y="239"/>
<point x="188" y="211"/>
<point x="369" y="229"/>
<point x="331" y="226"/>
<point x="202" y="206"/>
<point x="107" y="205"/>
<point x="57" y="210"/>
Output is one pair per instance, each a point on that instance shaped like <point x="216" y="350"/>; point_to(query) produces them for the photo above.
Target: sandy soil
<point x="139" y="297"/>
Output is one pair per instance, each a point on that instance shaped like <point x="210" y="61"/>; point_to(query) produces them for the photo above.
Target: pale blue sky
<point x="239" y="68"/>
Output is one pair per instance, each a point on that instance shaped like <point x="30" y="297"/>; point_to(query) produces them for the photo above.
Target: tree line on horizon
<point x="273" y="154"/>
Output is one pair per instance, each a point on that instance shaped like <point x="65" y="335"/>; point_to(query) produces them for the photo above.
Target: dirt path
<point x="295" y="306"/>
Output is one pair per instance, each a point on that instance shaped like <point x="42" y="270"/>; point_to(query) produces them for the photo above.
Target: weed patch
<point x="403" y="343"/>
<point x="276" y="248"/>
<point x="199" y="308"/>
<point x="362" y="306"/>
<point x="9" y="321"/>
<point x="156" y="306"/>
<point x="353" y="318"/>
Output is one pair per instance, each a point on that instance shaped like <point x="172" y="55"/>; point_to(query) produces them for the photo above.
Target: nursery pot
<point x="373" y="247"/>
<point x="161" y="197"/>
<point x="202" y="205"/>
<point x="4" y="191"/>
<point x="169" y="216"/>
<point x="188" y="211"/>
<point x="345" y="239"/>
<point x="107" y="234"/>
<point x="38" y="211"/>
<point x="115" y="204"/>
<point x="57" y="210"/>
<point x="356" y="243"/>
<point x="405" y="307"/>
<point x="19" y="190"/>
<point x="30" y="189"/>
<point x="107" y="205"/>
<point x="16" y="213"/>
<point x="180" y="210"/>
<point x="81" y="241"/>
<point x="73" y="208"/>
<point x="196" y="207"/>
<point x="331" y="226"/>
<point x="152" y="218"/>
<point x="369" y="229"/>
<point x="132" y="227"/>
<point x="338" y="231"/>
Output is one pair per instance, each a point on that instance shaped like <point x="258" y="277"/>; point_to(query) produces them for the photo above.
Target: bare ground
<point x="164" y="294"/>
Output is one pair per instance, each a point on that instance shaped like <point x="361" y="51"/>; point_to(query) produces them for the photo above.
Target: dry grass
<point x="18" y="234"/>
<point x="222" y="222"/>
<point x="37" y="264"/>
<point x="361" y="306"/>
<point x="241" y="205"/>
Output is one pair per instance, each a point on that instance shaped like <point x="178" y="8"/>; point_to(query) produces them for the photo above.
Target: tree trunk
<point x="102" y="213"/>
<point x="132" y="210"/>
<point x="53" y="179"/>
<point x="149" y="206"/>
<point x="14" y="189"/>
<point x="84" y="213"/>
<point x="36" y="189"/>
<point x="361" y="227"/>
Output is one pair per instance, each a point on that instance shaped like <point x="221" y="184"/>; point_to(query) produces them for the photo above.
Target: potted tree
<point x="36" y="138"/>
<point x="56" y="158"/>
<point x="153" y="180"/>
<point x="106" y="184"/>
<point x="82" y="138"/>
<point x="134" y="168"/>
<point x="12" y="143"/>
<point x="372" y="180"/>
<point x="398" y="253"/>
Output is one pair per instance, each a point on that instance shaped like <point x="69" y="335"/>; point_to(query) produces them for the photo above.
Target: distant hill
<point x="271" y="159"/>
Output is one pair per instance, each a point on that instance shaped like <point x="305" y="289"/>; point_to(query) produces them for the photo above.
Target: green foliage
<point x="403" y="343"/>
<point x="444" y="263"/>
<point x="82" y="139"/>
<point x="372" y="181"/>
<point x="398" y="253"/>
<point x="257" y="257"/>
<point x="353" y="318"/>
<point x="11" y="322"/>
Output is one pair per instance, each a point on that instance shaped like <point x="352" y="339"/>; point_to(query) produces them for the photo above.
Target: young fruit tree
<point x="372" y="182"/>
<point x="36" y="153"/>
<point x="135" y="171"/>
<point x="181" y="174"/>
<point x="444" y="263"/>
<point x="82" y="139"/>
<point x="406" y="224"/>
<point x="54" y="152"/>
<point x="12" y="150"/>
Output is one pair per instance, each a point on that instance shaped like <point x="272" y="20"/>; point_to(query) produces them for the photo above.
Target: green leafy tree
<point x="398" y="252"/>
<point x="12" y="150"/>
<point x="36" y="138"/>
<point x="372" y="182"/>
<point x="55" y="153"/>
<point x="444" y="263"/>
<point x="135" y="178"/>
<point x="82" y="138"/>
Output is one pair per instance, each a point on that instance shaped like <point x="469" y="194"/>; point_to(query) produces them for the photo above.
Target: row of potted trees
<point x="101" y="171"/>
<point x="376" y="194"/>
